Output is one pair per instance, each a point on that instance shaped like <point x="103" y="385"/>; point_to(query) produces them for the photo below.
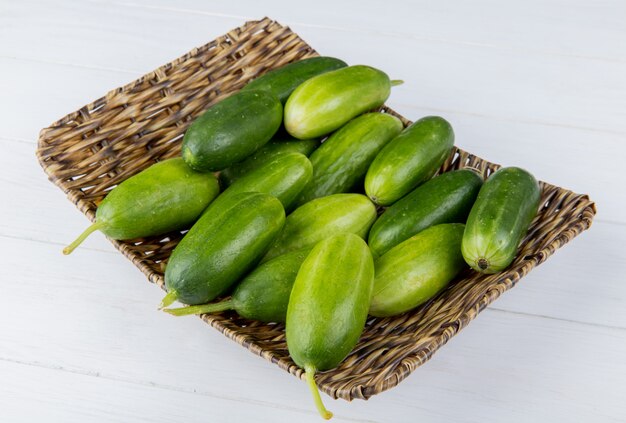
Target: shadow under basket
<point x="90" y="151"/>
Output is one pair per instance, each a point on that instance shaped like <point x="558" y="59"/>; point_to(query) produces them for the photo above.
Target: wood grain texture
<point x="505" y="367"/>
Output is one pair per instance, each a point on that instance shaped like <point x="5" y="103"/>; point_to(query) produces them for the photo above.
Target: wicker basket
<point x="88" y="152"/>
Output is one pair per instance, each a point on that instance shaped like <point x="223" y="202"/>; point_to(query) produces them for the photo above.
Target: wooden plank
<point x="582" y="92"/>
<point x="34" y="393"/>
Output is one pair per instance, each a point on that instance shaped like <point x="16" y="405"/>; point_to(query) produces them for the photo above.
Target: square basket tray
<point x="93" y="149"/>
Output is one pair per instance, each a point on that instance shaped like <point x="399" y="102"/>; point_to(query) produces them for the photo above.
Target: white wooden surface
<point x="539" y="83"/>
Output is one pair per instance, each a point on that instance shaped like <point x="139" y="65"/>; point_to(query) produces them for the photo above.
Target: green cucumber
<point x="266" y="153"/>
<point x="447" y="198"/>
<point x="506" y="205"/>
<point x="411" y="158"/>
<point x="164" y="197"/>
<point x="231" y="130"/>
<point x="414" y="271"/>
<point x="321" y="218"/>
<point x="221" y="247"/>
<point x="326" y="102"/>
<point x="328" y="306"/>
<point x="343" y="159"/>
<point x="283" y="177"/>
<point x="282" y="81"/>
<point x="262" y="295"/>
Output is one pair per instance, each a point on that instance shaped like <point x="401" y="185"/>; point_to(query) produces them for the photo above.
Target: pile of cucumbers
<point x="306" y="207"/>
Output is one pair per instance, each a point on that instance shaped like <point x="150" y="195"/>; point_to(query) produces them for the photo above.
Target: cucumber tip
<point x="482" y="264"/>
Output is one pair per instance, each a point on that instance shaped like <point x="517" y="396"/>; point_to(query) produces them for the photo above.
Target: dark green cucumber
<point x="283" y="177"/>
<point x="326" y="102"/>
<point x="282" y="81"/>
<point x="343" y="159"/>
<point x="321" y="218"/>
<point x="414" y="271"/>
<point x="447" y="198"/>
<point x="328" y="306"/>
<point x="222" y="246"/>
<point x="411" y="158"/>
<point x="231" y="130"/>
<point x="267" y="152"/>
<point x="165" y="197"/>
<point x="262" y="295"/>
<point x="506" y="205"/>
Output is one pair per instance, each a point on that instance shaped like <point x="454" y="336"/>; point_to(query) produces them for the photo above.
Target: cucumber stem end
<point x="92" y="228"/>
<point x="396" y="82"/>
<point x="169" y="298"/>
<point x="200" y="309"/>
<point x="310" y="380"/>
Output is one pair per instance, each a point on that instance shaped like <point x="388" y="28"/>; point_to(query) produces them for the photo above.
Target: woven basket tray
<point x="90" y="151"/>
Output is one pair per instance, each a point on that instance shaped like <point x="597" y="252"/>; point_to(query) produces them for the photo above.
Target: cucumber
<point x="283" y="177"/>
<point x="164" y="197"/>
<point x="267" y="152"/>
<point x="282" y="81"/>
<point x="506" y="205"/>
<point x="262" y="295"/>
<point x="221" y="247"/>
<point x="231" y="130"/>
<point x="328" y="306"/>
<point x="414" y="271"/>
<point x="342" y="160"/>
<point x="326" y="102"/>
<point x="447" y="198"/>
<point x="321" y="218"/>
<point x="411" y="158"/>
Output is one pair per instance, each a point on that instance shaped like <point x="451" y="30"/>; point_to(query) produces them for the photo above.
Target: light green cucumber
<point x="328" y="306"/>
<point x="415" y="270"/>
<point x="164" y="197"/>
<point x="328" y="101"/>
<point x="321" y="218"/>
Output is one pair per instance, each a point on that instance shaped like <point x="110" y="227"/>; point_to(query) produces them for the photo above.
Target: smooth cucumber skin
<point x="264" y="154"/>
<point x="411" y="158"/>
<point x="282" y="81"/>
<point x="447" y="198"/>
<point x="414" y="271"/>
<point x="264" y="293"/>
<point x="323" y="217"/>
<point x="283" y="177"/>
<point x="326" y="102"/>
<point x="343" y="159"/>
<point x="222" y="246"/>
<point x="231" y="130"/>
<point x="329" y="302"/>
<point x="166" y="196"/>
<point x="506" y="205"/>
